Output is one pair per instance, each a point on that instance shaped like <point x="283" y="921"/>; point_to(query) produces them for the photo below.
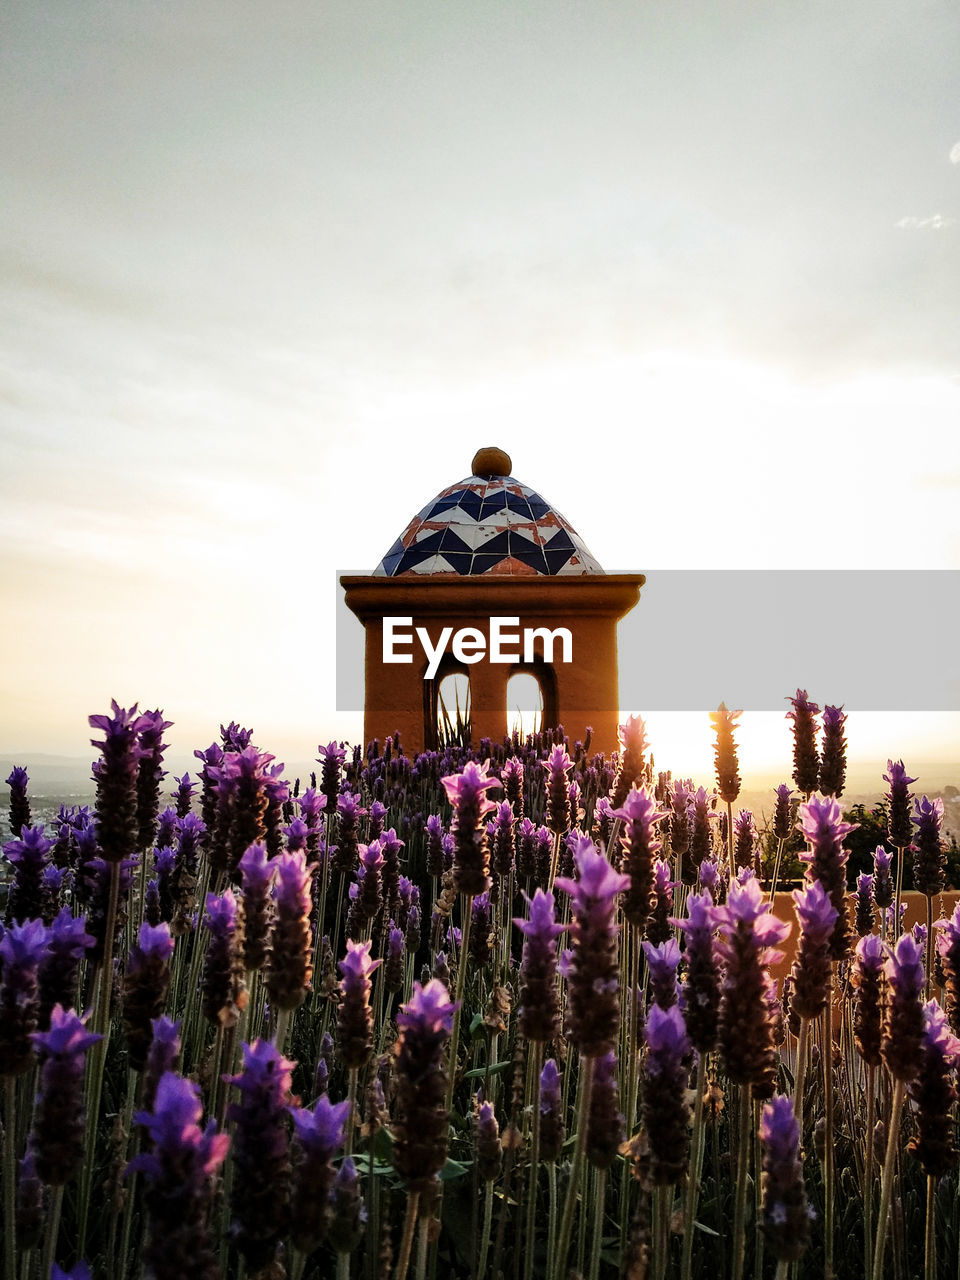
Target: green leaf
<point x="479" y="1072"/>
<point x="453" y="1169"/>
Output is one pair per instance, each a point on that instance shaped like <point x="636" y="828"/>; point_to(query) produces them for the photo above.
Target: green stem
<point x="10" y="1176"/>
<point x="929" y="983"/>
<point x="896" y="900"/>
<point x="552" y="1215"/>
<point x="97" y="1058"/>
<point x="281" y="1028"/>
<point x="51" y="1232"/>
<point x="533" y="1077"/>
<point x="929" y="1234"/>
<point x="829" y="1154"/>
<point x="740" y="1203"/>
<point x="868" y="1173"/>
<point x="661" y="1230"/>
<point x="731" y="857"/>
<point x="409" y="1226"/>
<point x="776" y="870"/>
<point x="576" y="1170"/>
<point x="351" y="1114"/>
<point x="487" y="1224"/>
<point x="798" y="1079"/>
<point x="119" y="1265"/>
<point x="886" y="1183"/>
<point x="598" y="1214"/>
<point x="693" y="1177"/>
<point x="423" y="1245"/>
<point x="467" y="917"/>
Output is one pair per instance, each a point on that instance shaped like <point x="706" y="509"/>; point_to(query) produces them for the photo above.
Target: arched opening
<point x="524" y="705"/>
<point x="447" y="713"/>
<point x="531" y="698"/>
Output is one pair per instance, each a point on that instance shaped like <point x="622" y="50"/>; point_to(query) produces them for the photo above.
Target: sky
<point x="272" y="274"/>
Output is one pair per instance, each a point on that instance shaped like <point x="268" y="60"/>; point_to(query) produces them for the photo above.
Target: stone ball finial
<point x="490" y="461"/>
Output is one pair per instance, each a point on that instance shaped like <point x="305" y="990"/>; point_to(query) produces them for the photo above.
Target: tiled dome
<point x="488" y="523"/>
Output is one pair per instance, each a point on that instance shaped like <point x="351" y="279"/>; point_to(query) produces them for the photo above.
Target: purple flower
<point x="331" y="758"/>
<point x="750" y="934"/>
<point x="435" y="833"/>
<point x="371" y="865"/>
<point x="318" y="1135"/>
<point x="21" y="950"/>
<point x="539" y="999"/>
<point x="183" y="797"/>
<point x="512" y="776"/>
<point x="903" y="1016"/>
<point x="116" y="777"/>
<point x="745" y="838"/>
<point x="824" y="829"/>
<point x="929" y="863"/>
<point x="486" y="1140"/>
<point x="725" y="752"/>
<point x="552" y="1132"/>
<point x="811" y="974"/>
<point x="898" y="798"/>
<point x="782" y="824"/>
<point x="662" y="964"/>
<point x="864" y="912"/>
<point x="786" y="1216"/>
<point x="664" y="1109"/>
<point x="639" y="814"/>
<point x="709" y="876"/>
<point x="57" y="1132"/>
<point x="79" y="1272"/>
<point x="869" y="985"/>
<point x="833" y="758"/>
<point x="557" y="765"/>
<point x="29" y="855"/>
<point x="260" y="1198"/>
<point x="806" y="761"/>
<point x="178" y="1169"/>
<point x="149" y="774"/>
<point x="162" y="1056"/>
<point x="257" y="872"/>
<point x="349" y="814"/>
<point x="66" y="943"/>
<point x="19" y="803"/>
<point x="466" y="791"/>
<point x="146" y="982"/>
<point x="348" y="1213"/>
<point x="502" y="856"/>
<point x="421" y="1124"/>
<point x="354" y="1015"/>
<point x="593" y="1003"/>
<point x="632" y="738"/>
<point x="700" y="995"/>
<point x="948" y="948"/>
<point x="290" y="960"/>
<point x="933" y="1092"/>
<point x="222" y="988"/>
<point x="882" y="879"/>
<point x="658" y="925"/>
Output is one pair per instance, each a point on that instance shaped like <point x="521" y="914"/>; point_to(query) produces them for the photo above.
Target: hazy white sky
<point x="272" y="273"/>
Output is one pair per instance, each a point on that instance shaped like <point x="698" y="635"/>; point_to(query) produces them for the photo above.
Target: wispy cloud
<point x="937" y="222"/>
